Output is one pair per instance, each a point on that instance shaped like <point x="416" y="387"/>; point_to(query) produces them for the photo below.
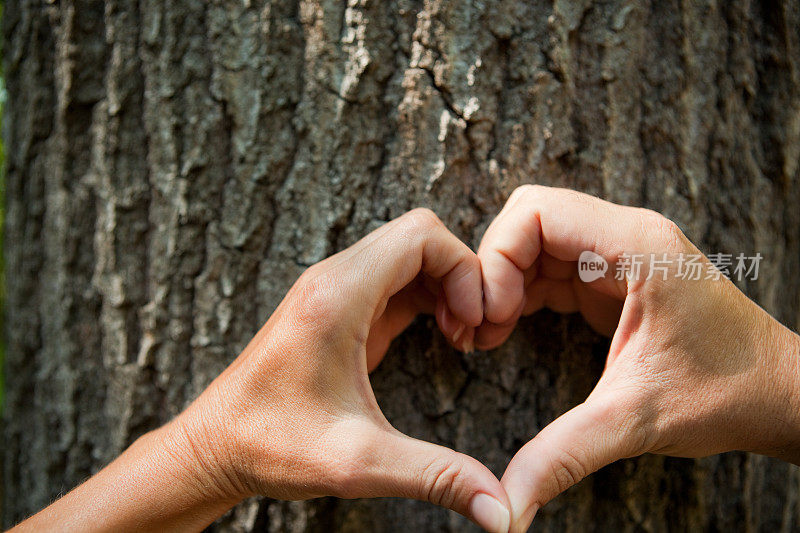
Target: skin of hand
<point x="294" y="416"/>
<point x="695" y="368"/>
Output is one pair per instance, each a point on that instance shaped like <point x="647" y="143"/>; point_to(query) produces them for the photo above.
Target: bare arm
<point x="294" y="416"/>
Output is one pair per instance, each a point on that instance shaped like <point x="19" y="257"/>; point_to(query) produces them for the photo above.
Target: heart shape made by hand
<point x="694" y="368"/>
<point x="295" y="416"/>
<point x="688" y="372"/>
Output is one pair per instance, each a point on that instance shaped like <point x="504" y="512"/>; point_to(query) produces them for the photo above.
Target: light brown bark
<point x="173" y="167"/>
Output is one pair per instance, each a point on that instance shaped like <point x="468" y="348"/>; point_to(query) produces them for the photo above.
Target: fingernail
<point x="468" y="346"/>
<point x="458" y="333"/>
<point x="489" y="513"/>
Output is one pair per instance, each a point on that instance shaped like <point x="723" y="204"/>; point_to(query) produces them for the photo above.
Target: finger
<point x="601" y="311"/>
<point x="457" y="333"/>
<point x="576" y="444"/>
<point x="401" y="310"/>
<point x="411" y="468"/>
<point x="490" y="335"/>
<point x="381" y="264"/>
<point x="556" y="269"/>
<point x="563" y="224"/>
<point x="556" y="295"/>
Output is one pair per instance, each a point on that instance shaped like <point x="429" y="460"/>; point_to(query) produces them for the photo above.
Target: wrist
<point x="202" y="460"/>
<point x="153" y="486"/>
<point x="783" y="347"/>
<point x="187" y="480"/>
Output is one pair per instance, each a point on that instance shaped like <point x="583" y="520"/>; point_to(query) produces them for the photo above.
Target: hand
<point x="294" y="417"/>
<point x="695" y="367"/>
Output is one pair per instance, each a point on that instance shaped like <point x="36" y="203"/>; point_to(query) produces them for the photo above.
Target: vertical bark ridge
<point x="174" y="166"/>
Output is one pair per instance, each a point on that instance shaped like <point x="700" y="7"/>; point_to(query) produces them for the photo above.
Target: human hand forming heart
<point x="694" y="368"/>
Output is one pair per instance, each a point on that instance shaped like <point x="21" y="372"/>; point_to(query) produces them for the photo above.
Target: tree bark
<point x="174" y="166"/>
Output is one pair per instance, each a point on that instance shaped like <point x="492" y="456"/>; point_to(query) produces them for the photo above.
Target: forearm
<point x="152" y="486"/>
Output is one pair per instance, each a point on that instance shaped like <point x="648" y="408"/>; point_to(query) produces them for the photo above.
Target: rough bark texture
<point x="174" y="165"/>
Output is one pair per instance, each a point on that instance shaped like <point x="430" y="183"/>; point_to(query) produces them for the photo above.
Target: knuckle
<point x="314" y="299"/>
<point x="421" y="219"/>
<point x="528" y="191"/>
<point x="665" y="229"/>
<point x="442" y="481"/>
<point x="568" y="470"/>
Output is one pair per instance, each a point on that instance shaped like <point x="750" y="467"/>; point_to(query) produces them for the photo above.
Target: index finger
<point x="564" y="224"/>
<point x="382" y="263"/>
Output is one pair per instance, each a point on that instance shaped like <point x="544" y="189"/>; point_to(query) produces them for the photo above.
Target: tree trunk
<point x="174" y="166"/>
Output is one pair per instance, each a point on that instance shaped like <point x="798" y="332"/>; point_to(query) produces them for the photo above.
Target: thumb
<point x="579" y="442"/>
<point x="421" y="470"/>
